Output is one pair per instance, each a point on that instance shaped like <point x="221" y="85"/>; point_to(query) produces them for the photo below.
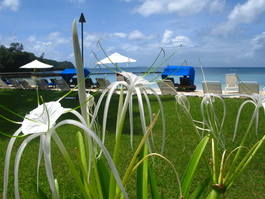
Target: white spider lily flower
<point x="42" y="118"/>
<point x="134" y="80"/>
<point x="38" y="123"/>
<point x="135" y="85"/>
<point x="213" y="122"/>
<point x="258" y="101"/>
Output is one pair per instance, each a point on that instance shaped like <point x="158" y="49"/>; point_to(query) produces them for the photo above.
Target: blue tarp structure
<point x="184" y="71"/>
<point x="68" y="73"/>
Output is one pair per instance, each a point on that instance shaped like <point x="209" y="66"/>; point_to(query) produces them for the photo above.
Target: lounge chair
<point x="103" y="83"/>
<point x="3" y="84"/>
<point x="32" y="84"/>
<point x="231" y="82"/>
<point x="26" y="84"/>
<point x="167" y="87"/>
<point x="72" y="82"/>
<point x="214" y="87"/>
<point x="50" y="84"/>
<point x="6" y="81"/>
<point x="52" y="80"/>
<point x="15" y="84"/>
<point x="89" y="83"/>
<point x="248" y="87"/>
<point x="62" y="85"/>
<point x="42" y="84"/>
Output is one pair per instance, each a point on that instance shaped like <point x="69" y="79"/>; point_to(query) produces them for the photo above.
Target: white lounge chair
<point x="31" y="83"/>
<point x="26" y="84"/>
<point x="15" y="84"/>
<point x="103" y="83"/>
<point x="231" y="82"/>
<point x="3" y="84"/>
<point x="167" y="87"/>
<point x="214" y="87"/>
<point x="42" y="84"/>
<point x="89" y="83"/>
<point x="62" y="85"/>
<point x="248" y="87"/>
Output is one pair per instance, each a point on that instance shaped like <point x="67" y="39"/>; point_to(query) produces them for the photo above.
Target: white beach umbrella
<point x="36" y="65"/>
<point x="116" y="58"/>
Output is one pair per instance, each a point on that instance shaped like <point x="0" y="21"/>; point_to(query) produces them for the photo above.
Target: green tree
<point x="16" y="47"/>
<point x="13" y="57"/>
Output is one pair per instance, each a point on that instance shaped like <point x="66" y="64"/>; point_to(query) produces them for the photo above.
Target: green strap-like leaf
<point x="244" y="163"/>
<point x="142" y="175"/>
<point x="200" y="189"/>
<point x="152" y="182"/>
<point x="104" y="177"/>
<point x="192" y="166"/>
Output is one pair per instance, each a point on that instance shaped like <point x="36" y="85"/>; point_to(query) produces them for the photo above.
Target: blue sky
<point x="214" y="33"/>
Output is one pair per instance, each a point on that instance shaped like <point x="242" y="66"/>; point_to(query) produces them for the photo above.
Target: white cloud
<point x="167" y="36"/>
<point x="37" y="47"/>
<point x="186" y="7"/>
<point x="169" y="40"/>
<point x="118" y="35"/>
<point x="90" y="40"/>
<point x="180" y="7"/>
<point x="248" y="12"/>
<point x="57" y="39"/>
<point x="138" y="35"/>
<point x="217" y="5"/>
<point x="12" y="4"/>
<point x="241" y="14"/>
<point x="78" y="1"/>
<point x="6" y="41"/>
<point x="49" y="48"/>
<point x="150" y="7"/>
<point x="257" y="45"/>
<point x="130" y="47"/>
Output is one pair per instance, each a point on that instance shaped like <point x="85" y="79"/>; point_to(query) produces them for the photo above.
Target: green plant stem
<point x="215" y="162"/>
<point x="122" y="107"/>
<point x="214" y="194"/>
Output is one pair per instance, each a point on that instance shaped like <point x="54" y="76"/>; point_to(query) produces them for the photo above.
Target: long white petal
<point x="48" y="162"/>
<point x="7" y="160"/>
<point x="17" y="160"/>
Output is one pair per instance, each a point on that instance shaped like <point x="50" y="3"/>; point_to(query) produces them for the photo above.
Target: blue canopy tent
<point x="186" y="73"/>
<point x="68" y="73"/>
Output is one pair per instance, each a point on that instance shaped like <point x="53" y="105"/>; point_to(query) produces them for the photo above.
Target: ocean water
<point x="210" y="74"/>
<point x="218" y="74"/>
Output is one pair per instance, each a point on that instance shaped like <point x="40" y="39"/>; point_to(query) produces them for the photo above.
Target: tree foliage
<point x="11" y="58"/>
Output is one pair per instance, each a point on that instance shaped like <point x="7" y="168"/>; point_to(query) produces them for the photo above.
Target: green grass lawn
<point x="180" y="143"/>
